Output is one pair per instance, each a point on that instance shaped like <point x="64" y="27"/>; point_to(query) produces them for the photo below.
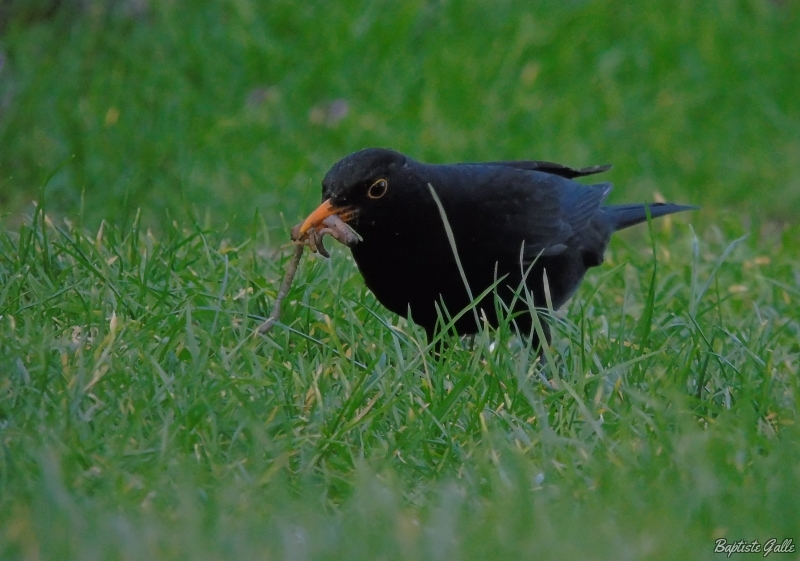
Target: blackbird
<point x="435" y="237"/>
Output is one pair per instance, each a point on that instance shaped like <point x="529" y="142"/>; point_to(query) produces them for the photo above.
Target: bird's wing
<point x="552" y="168"/>
<point x="579" y="203"/>
<point x="549" y="228"/>
<point x="500" y="209"/>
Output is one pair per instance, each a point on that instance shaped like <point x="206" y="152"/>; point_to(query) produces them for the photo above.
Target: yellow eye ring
<point x="378" y="189"/>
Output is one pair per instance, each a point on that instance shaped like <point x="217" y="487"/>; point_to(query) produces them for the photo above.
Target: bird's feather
<point x="550" y="167"/>
<point x="529" y="208"/>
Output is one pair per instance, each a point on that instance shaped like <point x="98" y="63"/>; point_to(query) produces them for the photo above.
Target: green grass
<point x="140" y="418"/>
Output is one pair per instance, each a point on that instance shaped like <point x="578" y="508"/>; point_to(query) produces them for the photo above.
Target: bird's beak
<point x="322" y="212"/>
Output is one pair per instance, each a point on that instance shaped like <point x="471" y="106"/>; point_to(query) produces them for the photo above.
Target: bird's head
<point x="360" y="188"/>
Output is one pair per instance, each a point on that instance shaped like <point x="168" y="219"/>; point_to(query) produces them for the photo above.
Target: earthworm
<point x="334" y="227"/>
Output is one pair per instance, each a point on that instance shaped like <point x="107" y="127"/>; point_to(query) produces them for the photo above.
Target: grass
<point x="140" y="418"/>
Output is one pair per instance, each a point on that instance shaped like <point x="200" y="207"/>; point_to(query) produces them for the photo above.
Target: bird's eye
<point x="378" y="189"/>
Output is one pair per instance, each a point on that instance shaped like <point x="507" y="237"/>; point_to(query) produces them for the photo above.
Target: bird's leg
<point x="471" y="342"/>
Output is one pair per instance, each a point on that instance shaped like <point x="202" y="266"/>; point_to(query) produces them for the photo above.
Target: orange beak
<point x="322" y="212"/>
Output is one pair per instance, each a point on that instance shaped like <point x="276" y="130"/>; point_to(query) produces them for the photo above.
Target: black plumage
<point x="509" y="220"/>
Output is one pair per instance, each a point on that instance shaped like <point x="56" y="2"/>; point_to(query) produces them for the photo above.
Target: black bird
<point x="510" y="221"/>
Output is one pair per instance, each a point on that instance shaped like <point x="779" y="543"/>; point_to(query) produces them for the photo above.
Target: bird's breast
<point x="405" y="270"/>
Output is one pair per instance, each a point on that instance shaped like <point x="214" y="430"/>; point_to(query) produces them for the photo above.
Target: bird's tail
<point x="624" y="216"/>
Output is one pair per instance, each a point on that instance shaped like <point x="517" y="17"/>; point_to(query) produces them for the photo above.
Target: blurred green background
<point x="230" y="106"/>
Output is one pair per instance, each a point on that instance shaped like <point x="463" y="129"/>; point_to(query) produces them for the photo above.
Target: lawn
<point x="168" y="148"/>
